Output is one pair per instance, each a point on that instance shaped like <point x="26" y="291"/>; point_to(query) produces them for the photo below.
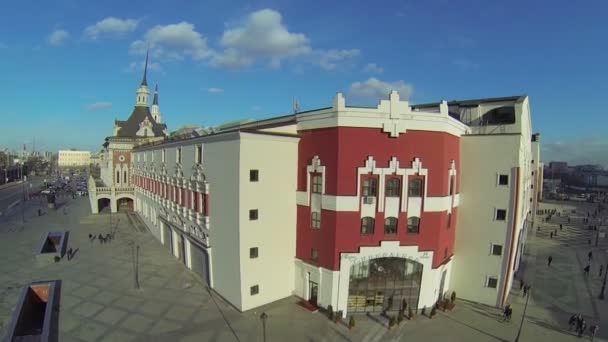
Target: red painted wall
<point x="342" y="150"/>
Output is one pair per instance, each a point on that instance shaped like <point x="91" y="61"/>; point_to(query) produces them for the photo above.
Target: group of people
<point x="577" y="322"/>
<point x="102" y="239"/>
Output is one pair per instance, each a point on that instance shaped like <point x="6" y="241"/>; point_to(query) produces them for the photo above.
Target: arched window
<point x="117" y="177"/>
<point x="125" y="177"/>
<point x="392" y="187"/>
<point x="316" y="220"/>
<point x="415" y="188"/>
<point x="367" y="225"/>
<point x="370" y="187"/>
<point x="390" y="225"/>
<point x="413" y="225"/>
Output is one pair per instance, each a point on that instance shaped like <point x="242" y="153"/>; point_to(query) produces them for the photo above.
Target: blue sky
<point x="70" y="68"/>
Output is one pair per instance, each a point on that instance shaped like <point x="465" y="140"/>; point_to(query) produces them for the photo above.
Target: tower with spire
<point x="144" y="122"/>
<point x="143" y="93"/>
<point x="155" y="107"/>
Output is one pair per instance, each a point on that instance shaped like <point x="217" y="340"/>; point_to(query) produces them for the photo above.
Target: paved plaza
<point x="99" y="301"/>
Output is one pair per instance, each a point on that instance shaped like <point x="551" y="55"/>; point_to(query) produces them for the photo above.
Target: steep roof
<point x="130" y="127"/>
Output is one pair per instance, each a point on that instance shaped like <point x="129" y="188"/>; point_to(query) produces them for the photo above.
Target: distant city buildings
<point x="73" y="158"/>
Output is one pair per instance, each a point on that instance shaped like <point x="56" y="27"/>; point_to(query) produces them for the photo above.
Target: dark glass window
<point x="492" y="282"/>
<point x="253" y="252"/>
<point x="254" y="290"/>
<point x="316" y="220"/>
<point x="503" y="180"/>
<point x="415" y="188"/>
<point x="367" y="225"/>
<point x="314" y="254"/>
<point x="390" y="225"/>
<point x="501" y="214"/>
<point x="370" y="187"/>
<point x="393" y="186"/>
<point x="496" y="250"/>
<point x="253" y="214"/>
<point x="254" y="175"/>
<point x="413" y="225"/>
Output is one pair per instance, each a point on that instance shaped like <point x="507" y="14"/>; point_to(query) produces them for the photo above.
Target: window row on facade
<point x="187" y="198"/>
<point x="198" y="155"/>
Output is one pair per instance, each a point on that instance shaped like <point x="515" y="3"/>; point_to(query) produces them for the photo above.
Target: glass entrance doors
<point x="382" y="284"/>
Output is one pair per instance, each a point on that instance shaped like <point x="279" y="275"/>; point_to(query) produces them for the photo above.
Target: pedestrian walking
<point x="572" y="322"/>
<point x="582" y="329"/>
<point x="568" y="219"/>
<point x="521" y="284"/>
<point x="593" y="330"/>
<point x="100" y="238"/>
<point x="506" y="313"/>
<point x="525" y="290"/>
<point x="586" y="269"/>
<point x="551" y="235"/>
<point x="560" y="226"/>
<point x="549" y="261"/>
<point x="590" y="255"/>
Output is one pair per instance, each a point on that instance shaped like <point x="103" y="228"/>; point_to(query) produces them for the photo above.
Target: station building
<point x="354" y="207"/>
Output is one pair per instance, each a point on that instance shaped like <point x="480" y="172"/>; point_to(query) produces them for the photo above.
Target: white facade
<point x="73" y="158"/>
<point x="496" y="200"/>
<point x="225" y="237"/>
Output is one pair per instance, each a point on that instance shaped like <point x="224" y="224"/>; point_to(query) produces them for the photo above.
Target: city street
<point x="99" y="301"/>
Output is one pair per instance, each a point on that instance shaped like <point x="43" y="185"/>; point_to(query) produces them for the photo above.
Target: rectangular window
<point x="393" y="186"/>
<point x="253" y="214"/>
<point x="415" y="188"/>
<point x="253" y="252"/>
<point x="178" y="155"/>
<point x="317" y="184"/>
<point x="496" y="249"/>
<point x="163" y="155"/>
<point x="315" y="220"/>
<point x="501" y="214"/>
<point x="314" y="254"/>
<point x="503" y="179"/>
<point x="370" y="187"/>
<point x="254" y="290"/>
<point x="199" y="154"/>
<point x="254" y="175"/>
<point x="492" y="282"/>
<point x="449" y="219"/>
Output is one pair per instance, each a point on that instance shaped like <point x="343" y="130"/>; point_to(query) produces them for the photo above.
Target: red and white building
<point x="357" y="208"/>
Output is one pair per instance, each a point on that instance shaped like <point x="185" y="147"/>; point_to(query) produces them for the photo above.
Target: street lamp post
<point x="604" y="284"/>
<point x="523" y="316"/>
<point x="264" y="317"/>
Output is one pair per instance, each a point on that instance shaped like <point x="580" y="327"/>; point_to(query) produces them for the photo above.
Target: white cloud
<point x="331" y="59"/>
<point x="373" y="68"/>
<point x="174" y="41"/>
<point x="139" y="66"/>
<point x="100" y="105"/>
<point x="262" y="36"/>
<point x="110" y="27"/>
<point x="58" y="37"/>
<point x="213" y="90"/>
<point x="374" y="88"/>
